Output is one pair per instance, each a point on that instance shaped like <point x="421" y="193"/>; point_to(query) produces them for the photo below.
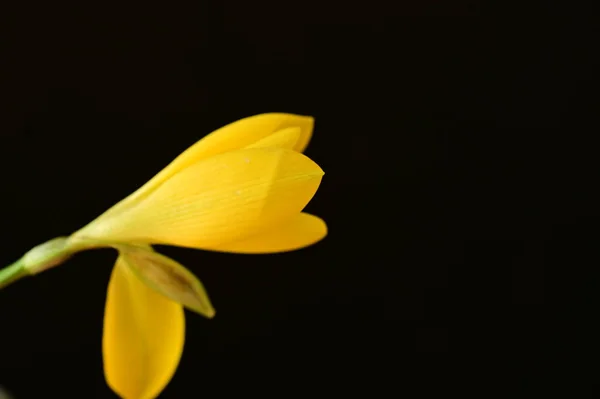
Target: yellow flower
<point x="241" y="189"/>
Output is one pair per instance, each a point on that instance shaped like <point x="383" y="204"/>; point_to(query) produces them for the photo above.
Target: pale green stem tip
<point x="38" y="259"/>
<point x="12" y="273"/>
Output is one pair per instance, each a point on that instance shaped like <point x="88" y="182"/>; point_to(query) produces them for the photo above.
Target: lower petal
<point x="300" y="232"/>
<point x="143" y="336"/>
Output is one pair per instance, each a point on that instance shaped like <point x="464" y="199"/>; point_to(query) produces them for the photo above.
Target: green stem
<point x="12" y="273"/>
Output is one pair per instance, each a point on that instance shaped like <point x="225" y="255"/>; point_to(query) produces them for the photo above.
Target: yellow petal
<point x="221" y="199"/>
<point x="167" y="277"/>
<point x="249" y="130"/>
<point x="143" y="336"/>
<point x="303" y="230"/>
<point x="234" y="136"/>
<point x="285" y="138"/>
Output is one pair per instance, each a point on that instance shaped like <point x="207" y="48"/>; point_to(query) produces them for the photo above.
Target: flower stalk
<point x="13" y="273"/>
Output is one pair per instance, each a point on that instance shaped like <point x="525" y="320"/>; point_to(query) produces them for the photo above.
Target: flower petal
<point x="246" y="131"/>
<point x="303" y="230"/>
<point x="221" y="199"/>
<point x="285" y="138"/>
<point x="234" y="136"/>
<point x="167" y="277"/>
<point x="143" y="336"/>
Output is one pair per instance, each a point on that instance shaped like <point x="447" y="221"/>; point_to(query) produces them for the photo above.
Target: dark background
<point x="459" y="192"/>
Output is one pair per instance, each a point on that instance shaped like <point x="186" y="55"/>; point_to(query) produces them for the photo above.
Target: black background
<point x="459" y="192"/>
